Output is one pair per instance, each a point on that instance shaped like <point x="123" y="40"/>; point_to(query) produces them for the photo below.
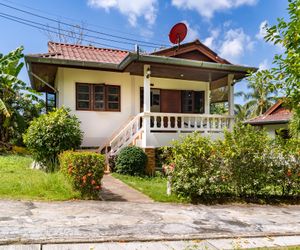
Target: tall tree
<point x="287" y="34"/>
<point x="18" y="102"/>
<point x="261" y="92"/>
<point x="242" y="112"/>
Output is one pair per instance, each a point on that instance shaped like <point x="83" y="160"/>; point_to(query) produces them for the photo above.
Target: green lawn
<point x="154" y="187"/>
<point x="18" y="181"/>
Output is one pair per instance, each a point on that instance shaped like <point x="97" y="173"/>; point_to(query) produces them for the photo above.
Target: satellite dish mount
<point x="178" y="33"/>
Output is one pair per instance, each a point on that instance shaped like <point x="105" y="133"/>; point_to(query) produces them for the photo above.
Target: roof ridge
<point x="51" y="43"/>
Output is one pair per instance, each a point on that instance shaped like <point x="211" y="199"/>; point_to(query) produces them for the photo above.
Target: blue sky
<point x="230" y="27"/>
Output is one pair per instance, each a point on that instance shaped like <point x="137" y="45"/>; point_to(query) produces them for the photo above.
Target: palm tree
<point x="261" y="94"/>
<point x="242" y="112"/>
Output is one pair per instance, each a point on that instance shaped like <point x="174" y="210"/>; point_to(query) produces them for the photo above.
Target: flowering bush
<point x="246" y="163"/>
<point x="168" y="169"/>
<point x="85" y="169"/>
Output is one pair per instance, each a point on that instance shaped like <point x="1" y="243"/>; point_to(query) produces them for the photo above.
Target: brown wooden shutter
<point x="170" y="101"/>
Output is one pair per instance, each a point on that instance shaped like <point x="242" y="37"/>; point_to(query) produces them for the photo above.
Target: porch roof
<point x="42" y="67"/>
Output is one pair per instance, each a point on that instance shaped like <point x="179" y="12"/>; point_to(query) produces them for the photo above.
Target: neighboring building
<point x="124" y="97"/>
<point x="275" y="120"/>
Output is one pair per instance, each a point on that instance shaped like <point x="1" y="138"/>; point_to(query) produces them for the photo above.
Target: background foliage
<point x="19" y="104"/>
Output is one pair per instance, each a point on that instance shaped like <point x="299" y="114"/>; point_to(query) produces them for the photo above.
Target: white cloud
<point x="207" y="8"/>
<point x="235" y="44"/>
<point x="210" y="41"/>
<point x="264" y="65"/>
<point x="262" y="30"/>
<point x="133" y="9"/>
<point x="192" y="33"/>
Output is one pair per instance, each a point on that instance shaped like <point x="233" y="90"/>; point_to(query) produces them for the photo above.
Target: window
<point x="113" y="97"/>
<point x="98" y="97"/>
<point x="83" y="97"/>
<point x="187" y="102"/>
<point x="50" y="101"/>
<point x="192" y="101"/>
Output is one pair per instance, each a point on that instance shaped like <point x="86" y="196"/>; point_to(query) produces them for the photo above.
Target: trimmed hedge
<point x="85" y="169"/>
<point x="131" y="161"/>
<point x="246" y="163"/>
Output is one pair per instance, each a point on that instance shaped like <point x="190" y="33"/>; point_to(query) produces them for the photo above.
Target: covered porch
<point x="159" y="123"/>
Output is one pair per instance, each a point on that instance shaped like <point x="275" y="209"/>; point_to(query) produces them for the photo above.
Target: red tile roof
<point x="84" y="53"/>
<point x="274" y="115"/>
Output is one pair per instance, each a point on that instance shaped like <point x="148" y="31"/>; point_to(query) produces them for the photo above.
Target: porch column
<point x="147" y="105"/>
<point x="231" y="98"/>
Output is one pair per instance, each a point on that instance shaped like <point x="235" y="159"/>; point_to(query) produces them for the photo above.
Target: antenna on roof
<point x="178" y="33"/>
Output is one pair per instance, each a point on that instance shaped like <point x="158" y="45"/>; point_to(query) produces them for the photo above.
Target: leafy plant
<point x="131" y="161"/>
<point x="194" y="170"/>
<point x="19" y="104"/>
<point x="51" y="134"/>
<point x="246" y="163"/>
<point x="287" y="70"/>
<point x="244" y="152"/>
<point x="85" y="170"/>
<point x="260" y="95"/>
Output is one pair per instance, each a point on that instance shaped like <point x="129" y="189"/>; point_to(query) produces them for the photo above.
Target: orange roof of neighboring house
<point x="84" y="53"/>
<point x="274" y="115"/>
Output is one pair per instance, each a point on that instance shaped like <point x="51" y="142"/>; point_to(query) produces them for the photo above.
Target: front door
<point x="170" y="101"/>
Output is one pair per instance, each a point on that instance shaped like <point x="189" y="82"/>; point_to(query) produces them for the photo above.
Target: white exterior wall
<point x="273" y="127"/>
<point x="99" y="126"/>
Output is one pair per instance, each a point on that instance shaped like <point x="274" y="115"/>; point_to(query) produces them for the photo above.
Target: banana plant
<point x="16" y="98"/>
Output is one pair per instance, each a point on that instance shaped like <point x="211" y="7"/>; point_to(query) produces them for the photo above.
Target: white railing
<point x="163" y="122"/>
<point x="168" y="122"/>
<point x="127" y="134"/>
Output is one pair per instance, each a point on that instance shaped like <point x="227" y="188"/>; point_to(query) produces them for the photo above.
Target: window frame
<point x="107" y="99"/>
<point x="50" y="107"/>
<point x="90" y="95"/>
<point x="92" y="100"/>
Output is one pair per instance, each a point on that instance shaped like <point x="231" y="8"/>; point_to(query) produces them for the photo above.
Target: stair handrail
<point x="124" y="131"/>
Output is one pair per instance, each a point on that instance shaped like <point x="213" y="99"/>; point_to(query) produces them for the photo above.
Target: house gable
<point x="278" y="113"/>
<point x="193" y="51"/>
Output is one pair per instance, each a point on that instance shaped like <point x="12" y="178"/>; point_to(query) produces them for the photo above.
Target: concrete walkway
<point x="240" y="243"/>
<point x="97" y="221"/>
<point x="115" y="190"/>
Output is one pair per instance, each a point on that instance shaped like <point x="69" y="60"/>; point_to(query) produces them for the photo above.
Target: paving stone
<point x="115" y="190"/>
<point x="242" y="243"/>
<point x="20" y="247"/>
<point x="98" y="221"/>
<point x="162" y="245"/>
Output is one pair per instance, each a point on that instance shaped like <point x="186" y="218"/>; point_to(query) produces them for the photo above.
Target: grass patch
<point x="19" y="181"/>
<point x="154" y="187"/>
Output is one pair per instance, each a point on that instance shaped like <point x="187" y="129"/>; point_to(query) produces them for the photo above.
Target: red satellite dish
<point x="178" y="33"/>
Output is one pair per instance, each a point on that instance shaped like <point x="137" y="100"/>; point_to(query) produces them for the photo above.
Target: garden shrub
<point x="131" y="161"/>
<point x="85" y="169"/>
<point x="245" y="152"/>
<point x="193" y="157"/>
<point x="245" y="164"/>
<point x="51" y="134"/>
<point x="284" y="162"/>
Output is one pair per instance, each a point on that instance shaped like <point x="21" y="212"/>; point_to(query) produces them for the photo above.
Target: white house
<point x="275" y="120"/>
<point x="124" y="97"/>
